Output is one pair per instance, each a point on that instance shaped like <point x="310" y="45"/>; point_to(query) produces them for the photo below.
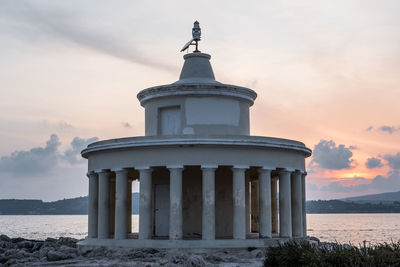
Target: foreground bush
<point x="332" y="254"/>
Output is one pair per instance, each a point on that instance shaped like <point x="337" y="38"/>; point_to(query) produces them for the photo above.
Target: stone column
<point x="175" y="206"/>
<point x="274" y="204"/>
<point x="104" y="204"/>
<point x="264" y="189"/>
<point x="93" y="204"/>
<point x="112" y="204"/>
<point x="121" y="204"/>
<point x="239" y="202"/>
<point x="304" y="210"/>
<point x="285" y="216"/>
<point x="297" y="204"/>
<point x="129" y="223"/>
<point x="248" y="205"/>
<point x="208" y="223"/>
<point x="254" y="203"/>
<point x="145" y="221"/>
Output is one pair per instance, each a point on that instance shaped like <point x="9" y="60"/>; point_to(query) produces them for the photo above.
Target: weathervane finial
<point x="196" y="34"/>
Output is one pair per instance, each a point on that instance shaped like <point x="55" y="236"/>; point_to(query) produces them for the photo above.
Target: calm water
<point x="354" y="228"/>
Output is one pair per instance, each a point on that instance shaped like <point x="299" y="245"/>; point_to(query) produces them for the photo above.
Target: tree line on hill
<point x="79" y="205"/>
<point x="339" y="206"/>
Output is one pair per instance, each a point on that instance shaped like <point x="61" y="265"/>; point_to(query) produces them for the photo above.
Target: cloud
<point x="388" y="129"/>
<point x="312" y="187"/>
<point x="126" y="124"/>
<point x="27" y="18"/>
<point x="372" y="163"/>
<point x="64" y="126"/>
<point x="393" y="160"/>
<point x="335" y="187"/>
<point x="73" y="154"/>
<point x="369" y="128"/>
<point x="34" y="161"/>
<point x="327" y="155"/>
<point x="390" y="182"/>
<point x="40" y="160"/>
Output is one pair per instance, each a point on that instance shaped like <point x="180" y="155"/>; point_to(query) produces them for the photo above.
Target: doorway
<point x="161" y="210"/>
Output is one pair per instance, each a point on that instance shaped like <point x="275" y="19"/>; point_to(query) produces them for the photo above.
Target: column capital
<point x="285" y="170"/>
<point x="90" y="173"/>
<point x="209" y="167"/>
<point x="101" y="171"/>
<point x="240" y="167"/>
<point x="267" y="168"/>
<point x="120" y="170"/>
<point x="143" y="168"/>
<point x="174" y="166"/>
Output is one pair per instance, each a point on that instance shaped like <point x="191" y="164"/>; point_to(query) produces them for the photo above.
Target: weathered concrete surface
<point x="296" y="204"/>
<point x="145" y="225"/>
<point x="121" y="214"/>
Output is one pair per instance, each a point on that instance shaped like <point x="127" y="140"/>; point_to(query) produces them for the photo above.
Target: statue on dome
<point x="196" y="36"/>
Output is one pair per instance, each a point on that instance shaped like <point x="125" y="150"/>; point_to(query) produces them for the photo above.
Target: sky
<point x="327" y="73"/>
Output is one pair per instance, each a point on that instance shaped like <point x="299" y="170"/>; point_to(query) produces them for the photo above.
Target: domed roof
<point x="197" y="78"/>
<point x="197" y="69"/>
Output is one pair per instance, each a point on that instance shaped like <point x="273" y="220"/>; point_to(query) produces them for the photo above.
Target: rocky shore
<point x="64" y="252"/>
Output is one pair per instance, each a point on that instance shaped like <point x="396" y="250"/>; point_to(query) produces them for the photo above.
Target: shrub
<point x="303" y="253"/>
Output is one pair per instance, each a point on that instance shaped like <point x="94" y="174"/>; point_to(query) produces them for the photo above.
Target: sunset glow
<point x="326" y="74"/>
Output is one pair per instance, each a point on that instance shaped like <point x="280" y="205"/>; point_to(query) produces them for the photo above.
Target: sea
<point x="356" y="229"/>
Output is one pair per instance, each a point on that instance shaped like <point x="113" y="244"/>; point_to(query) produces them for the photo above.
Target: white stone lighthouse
<point x="205" y="182"/>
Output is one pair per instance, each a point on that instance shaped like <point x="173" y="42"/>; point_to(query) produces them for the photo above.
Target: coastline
<point x="65" y="252"/>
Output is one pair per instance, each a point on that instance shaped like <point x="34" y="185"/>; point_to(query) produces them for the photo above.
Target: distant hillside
<point x="339" y="206"/>
<point x="66" y="206"/>
<point x="379" y="203"/>
<point x="390" y="197"/>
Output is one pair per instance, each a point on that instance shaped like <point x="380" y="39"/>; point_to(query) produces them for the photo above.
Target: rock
<point x="5" y="238"/>
<point x="50" y="239"/>
<point x="54" y="255"/>
<point x="11" y="252"/>
<point x="67" y="241"/>
<point x="97" y="252"/>
<point x="150" y="250"/>
<point x="11" y="262"/>
<point x="51" y="243"/>
<point x="139" y="254"/>
<point x="23" y="253"/>
<point x="68" y="250"/>
<point x="37" y="246"/>
<point x="313" y="238"/>
<point x="214" y="258"/>
<point x="195" y="261"/>
<point x="178" y="257"/>
<point x="17" y="239"/>
<point x="3" y="259"/>
<point x="7" y="245"/>
<point x="43" y="252"/>
<point x="163" y="261"/>
<point x="25" y="244"/>
<point x="257" y="253"/>
<point x="36" y="254"/>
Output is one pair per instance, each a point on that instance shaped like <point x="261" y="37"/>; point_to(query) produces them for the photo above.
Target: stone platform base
<point x="191" y="244"/>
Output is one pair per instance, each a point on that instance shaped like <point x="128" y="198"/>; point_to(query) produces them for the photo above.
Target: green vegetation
<point x="338" y="206"/>
<point x="332" y="254"/>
